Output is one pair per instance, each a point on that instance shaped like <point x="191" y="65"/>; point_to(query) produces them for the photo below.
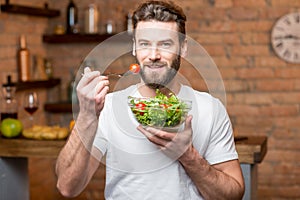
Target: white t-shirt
<point x="136" y="169"/>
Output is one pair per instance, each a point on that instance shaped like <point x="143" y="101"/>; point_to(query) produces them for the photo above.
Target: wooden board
<point x="250" y="149"/>
<point x="30" y="148"/>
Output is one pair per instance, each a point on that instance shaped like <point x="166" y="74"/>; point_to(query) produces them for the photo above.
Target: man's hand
<point x="91" y="91"/>
<point x="174" y="145"/>
<point x="75" y="163"/>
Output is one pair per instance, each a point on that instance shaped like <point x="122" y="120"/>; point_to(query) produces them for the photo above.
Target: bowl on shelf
<point x="167" y="114"/>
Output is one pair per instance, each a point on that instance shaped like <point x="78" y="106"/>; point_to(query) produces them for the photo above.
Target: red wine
<point x="9" y="115"/>
<point x="31" y="110"/>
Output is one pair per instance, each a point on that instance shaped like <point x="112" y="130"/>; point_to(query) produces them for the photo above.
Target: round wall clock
<point x="285" y="37"/>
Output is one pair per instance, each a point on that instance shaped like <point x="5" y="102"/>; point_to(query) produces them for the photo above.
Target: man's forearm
<point x="211" y="182"/>
<point x="73" y="164"/>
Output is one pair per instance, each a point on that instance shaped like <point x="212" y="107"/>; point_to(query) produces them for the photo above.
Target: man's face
<point x="158" y="51"/>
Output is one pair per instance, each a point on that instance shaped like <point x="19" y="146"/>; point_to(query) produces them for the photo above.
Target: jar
<point x="91" y="19"/>
<point x="110" y="27"/>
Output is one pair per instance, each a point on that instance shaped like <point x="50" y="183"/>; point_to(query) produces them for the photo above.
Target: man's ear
<point x="133" y="48"/>
<point x="184" y="47"/>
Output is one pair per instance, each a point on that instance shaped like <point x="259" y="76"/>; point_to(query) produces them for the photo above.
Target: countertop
<point x="251" y="149"/>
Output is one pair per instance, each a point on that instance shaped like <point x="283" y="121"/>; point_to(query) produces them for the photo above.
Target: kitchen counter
<point x="14" y="154"/>
<point x="250" y="149"/>
<point x="30" y="148"/>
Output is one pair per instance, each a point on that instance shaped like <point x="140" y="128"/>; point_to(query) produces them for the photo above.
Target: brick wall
<point x="263" y="92"/>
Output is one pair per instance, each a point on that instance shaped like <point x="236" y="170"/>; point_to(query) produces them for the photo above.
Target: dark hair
<point x="160" y="11"/>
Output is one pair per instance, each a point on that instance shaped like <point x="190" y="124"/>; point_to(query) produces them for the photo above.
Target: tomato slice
<point x="140" y="107"/>
<point x="135" y="68"/>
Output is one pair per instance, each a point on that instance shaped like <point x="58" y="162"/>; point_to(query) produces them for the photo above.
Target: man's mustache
<point x="154" y="64"/>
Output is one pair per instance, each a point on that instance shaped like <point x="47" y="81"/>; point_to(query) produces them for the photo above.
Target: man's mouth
<point x="155" y="65"/>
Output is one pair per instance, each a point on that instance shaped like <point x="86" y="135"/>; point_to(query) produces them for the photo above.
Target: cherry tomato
<point x="140" y="107"/>
<point x="135" y="68"/>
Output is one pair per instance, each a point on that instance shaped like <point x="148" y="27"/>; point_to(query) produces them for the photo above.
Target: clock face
<point x="285" y="37"/>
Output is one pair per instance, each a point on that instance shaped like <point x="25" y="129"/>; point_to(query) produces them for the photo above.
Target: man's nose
<point x="154" y="53"/>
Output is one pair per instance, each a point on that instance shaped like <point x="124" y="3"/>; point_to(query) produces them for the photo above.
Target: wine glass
<point x="31" y="104"/>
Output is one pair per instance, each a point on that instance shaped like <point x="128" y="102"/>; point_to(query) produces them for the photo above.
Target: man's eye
<point x="165" y="45"/>
<point x="144" y="44"/>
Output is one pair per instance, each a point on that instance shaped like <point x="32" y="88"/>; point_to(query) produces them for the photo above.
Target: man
<point x="199" y="162"/>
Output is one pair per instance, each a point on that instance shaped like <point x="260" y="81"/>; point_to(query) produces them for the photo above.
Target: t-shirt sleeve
<point x="100" y="142"/>
<point x="221" y="146"/>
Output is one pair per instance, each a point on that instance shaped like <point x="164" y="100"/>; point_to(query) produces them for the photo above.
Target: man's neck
<point x="148" y="91"/>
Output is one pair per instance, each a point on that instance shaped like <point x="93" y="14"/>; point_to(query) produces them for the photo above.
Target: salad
<point x="159" y="111"/>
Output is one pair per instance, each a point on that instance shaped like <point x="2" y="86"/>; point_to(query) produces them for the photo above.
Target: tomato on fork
<point x="135" y="68"/>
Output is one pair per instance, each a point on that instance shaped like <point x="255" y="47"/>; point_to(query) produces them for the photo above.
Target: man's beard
<point x="155" y="80"/>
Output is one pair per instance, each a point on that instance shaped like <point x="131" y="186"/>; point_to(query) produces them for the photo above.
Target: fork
<point x="111" y="74"/>
<point x="114" y="74"/>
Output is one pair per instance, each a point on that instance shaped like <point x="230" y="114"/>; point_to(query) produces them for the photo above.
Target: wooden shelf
<point x="26" y="10"/>
<point x="37" y="84"/>
<point x="83" y="38"/>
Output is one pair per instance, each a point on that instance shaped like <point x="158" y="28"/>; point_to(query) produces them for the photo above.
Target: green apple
<point x="11" y="128"/>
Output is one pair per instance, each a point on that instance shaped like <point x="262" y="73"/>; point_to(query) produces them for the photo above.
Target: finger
<point x="86" y="70"/>
<point x="144" y="132"/>
<point x="88" y="84"/>
<point x="100" y="85"/>
<point x="88" y="76"/>
<point x="161" y="134"/>
<point x="153" y="138"/>
<point x="101" y="90"/>
<point x="87" y="89"/>
<point x="100" y="97"/>
<point x="91" y="75"/>
<point x="188" y="122"/>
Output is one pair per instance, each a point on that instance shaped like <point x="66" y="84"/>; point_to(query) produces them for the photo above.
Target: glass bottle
<point x="9" y="107"/>
<point x="72" y="18"/>
<point x="48" y="68"/>
<point x="23" y="57"/>
<point x="71" y="88"/>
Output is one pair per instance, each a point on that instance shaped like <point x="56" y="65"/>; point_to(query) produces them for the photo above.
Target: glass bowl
<point x="160" y="114"/>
